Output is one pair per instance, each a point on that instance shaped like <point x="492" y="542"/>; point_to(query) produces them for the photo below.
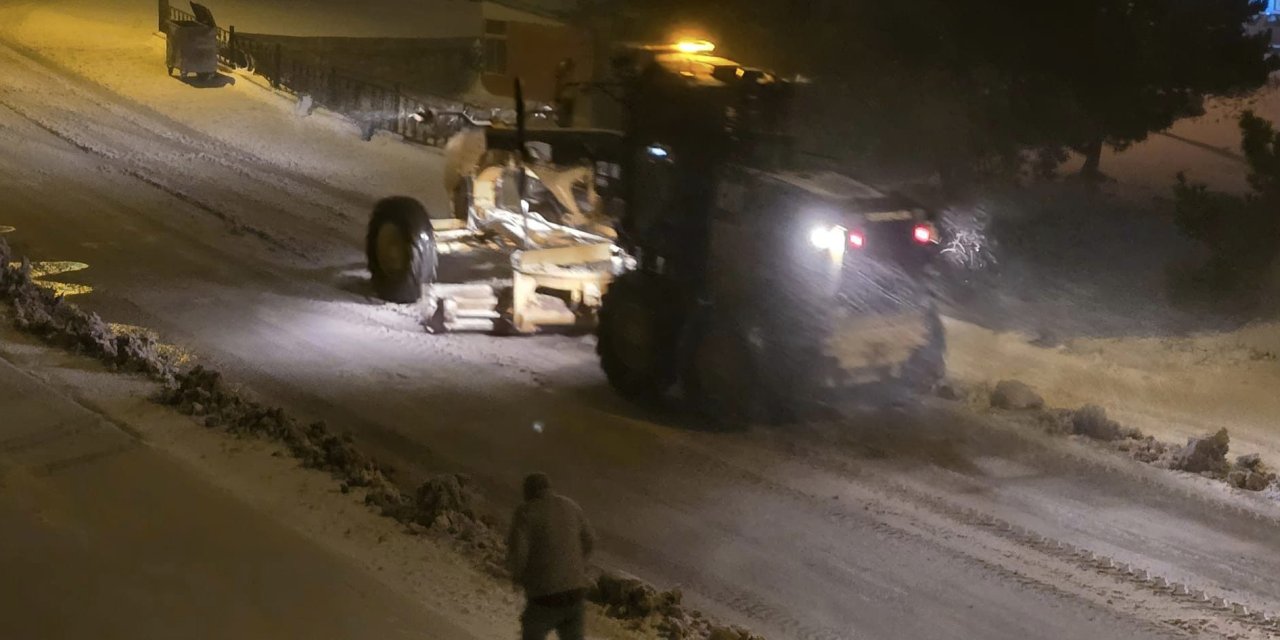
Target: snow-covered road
<point x="891" y="523"/>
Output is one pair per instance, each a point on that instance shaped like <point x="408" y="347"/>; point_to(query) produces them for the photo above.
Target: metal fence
<point x="371" y="104"/>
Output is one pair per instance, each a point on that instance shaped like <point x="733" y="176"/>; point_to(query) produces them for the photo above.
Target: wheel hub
<point x="723" y="369"/>
<point x="392" y="246"/>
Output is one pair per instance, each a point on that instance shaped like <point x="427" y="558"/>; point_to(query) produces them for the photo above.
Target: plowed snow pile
<point x="1170" y="388"/>
<point x="1204" y="455"/>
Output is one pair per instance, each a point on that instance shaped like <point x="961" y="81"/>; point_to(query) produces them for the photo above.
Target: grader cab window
<point x="655" y="177"/>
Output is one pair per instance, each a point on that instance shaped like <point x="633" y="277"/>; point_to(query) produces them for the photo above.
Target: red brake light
<point x="922" y="234"/>
<point x="856" y="239"/>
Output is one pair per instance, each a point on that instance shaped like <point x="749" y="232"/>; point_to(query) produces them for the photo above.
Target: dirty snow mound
<point x="1151" y="451"/>
<point x="43" y="313"/>
<point x="1250" y="474"/>
<point x="1091" y="421"/>
<point x="446" y="503"/>
<point x="642" y="605"/>
<point x="1015" y="395"/>
<point x="1207" y="454"/>
<point x="202" y="394"/>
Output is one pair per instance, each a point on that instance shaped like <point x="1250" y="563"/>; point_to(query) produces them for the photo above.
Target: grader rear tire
<point x="401" y="249"/>
<point x="720" y="378"/>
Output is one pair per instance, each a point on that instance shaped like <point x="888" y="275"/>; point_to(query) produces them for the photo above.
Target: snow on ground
<point x="340" y="18"/>
<point x="112" y="43"/>
<point x="757" y="528"/>
<point x="1170" y="387"/>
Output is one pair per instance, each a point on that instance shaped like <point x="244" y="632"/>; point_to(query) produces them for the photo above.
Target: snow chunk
<point x="1206" y="454"/>
<point x="1091" y="421"/>
<point x="1250" y="474"/>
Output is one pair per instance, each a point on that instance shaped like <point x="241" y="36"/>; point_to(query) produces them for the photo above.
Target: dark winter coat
<point x="548" y="546"/>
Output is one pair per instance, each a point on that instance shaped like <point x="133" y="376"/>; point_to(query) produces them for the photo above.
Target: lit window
<point x="495" y="46"/>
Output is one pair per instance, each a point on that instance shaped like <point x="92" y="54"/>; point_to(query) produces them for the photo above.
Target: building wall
<point x="436" y="46"/>
<point x="532" y="52"/>
<point x="352" y="18"/>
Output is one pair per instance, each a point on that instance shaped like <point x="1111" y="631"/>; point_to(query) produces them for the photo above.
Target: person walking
<point x="547" y="551"/>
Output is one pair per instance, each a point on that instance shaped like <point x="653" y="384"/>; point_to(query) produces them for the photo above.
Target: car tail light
<point x="923" y="234"/>
<point x="857" y="239"/>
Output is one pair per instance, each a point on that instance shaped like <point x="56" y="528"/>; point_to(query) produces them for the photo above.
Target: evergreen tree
<point x="958" y="88"/>
<point x="1137" y="66"/>
<point x="1242" y="233"/>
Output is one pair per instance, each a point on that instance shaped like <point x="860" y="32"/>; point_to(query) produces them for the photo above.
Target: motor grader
<point x="718" y="267"/>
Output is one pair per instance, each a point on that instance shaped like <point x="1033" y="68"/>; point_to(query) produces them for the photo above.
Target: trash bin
<point x="192" y="45"/>
<point x="192" y="48"/>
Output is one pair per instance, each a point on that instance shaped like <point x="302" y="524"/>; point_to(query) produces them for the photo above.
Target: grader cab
<point x="761" y="284"/>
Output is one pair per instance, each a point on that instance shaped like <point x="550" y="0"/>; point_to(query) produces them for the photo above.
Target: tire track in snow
<point x="1014" y="554"/>
<point x="887" y="514"/>
<point x="147" y="149"/>
<point x="234" y="223"/>
<point x="1145" y="583"/>
<point x="762" y="616"/>
<point x="145" y="120"/>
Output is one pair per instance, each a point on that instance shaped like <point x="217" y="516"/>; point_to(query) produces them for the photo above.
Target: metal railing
<point x="373" y="105"/>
